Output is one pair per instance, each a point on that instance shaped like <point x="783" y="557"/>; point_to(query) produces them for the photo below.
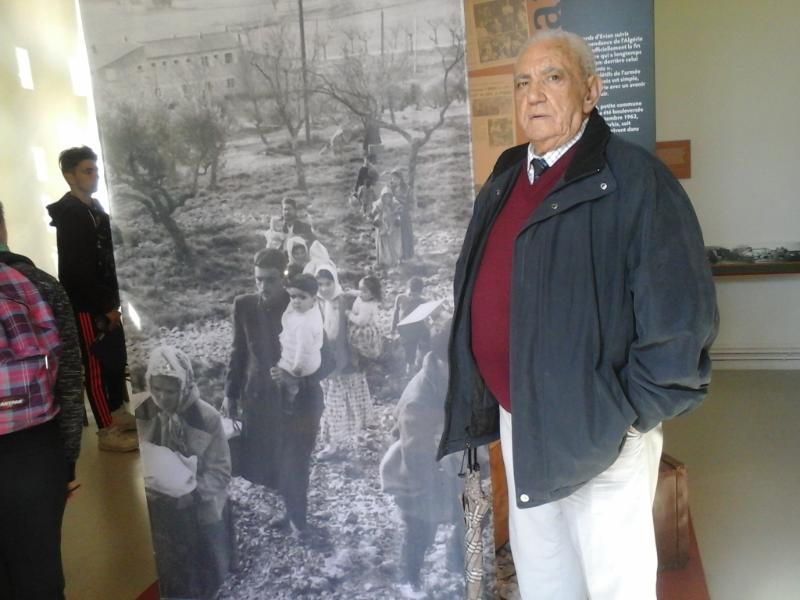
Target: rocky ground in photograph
<point x="353" y="551"/>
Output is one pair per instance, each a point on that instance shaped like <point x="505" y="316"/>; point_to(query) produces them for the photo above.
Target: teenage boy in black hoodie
<point x="87" y="271"/>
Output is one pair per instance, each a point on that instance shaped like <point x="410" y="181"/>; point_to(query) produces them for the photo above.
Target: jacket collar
<point x="10" y="258"/>
<point x="589" y="153"/>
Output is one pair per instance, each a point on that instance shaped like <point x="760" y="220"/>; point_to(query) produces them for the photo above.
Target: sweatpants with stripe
<point x="32" y="498"/>
<point x="105" y="384"/>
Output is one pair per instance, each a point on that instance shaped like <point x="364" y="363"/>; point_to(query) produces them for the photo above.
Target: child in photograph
<point x="364" y="333"/>
<point x="345" y="389"/>
<point x="297" y="251"/>
<point x="301" y="336"/>
<point x="414" y="336"/>
<point x="187" y="469"/>
<point x="276" y="238"/>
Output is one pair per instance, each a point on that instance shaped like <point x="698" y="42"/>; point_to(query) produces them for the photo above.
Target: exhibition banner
<point x="333" y="134"/>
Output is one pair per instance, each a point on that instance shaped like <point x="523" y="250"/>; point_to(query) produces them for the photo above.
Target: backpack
<point x="29" y="351"/>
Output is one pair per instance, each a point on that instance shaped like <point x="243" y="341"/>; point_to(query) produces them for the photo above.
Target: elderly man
<point x="585" y="309"/>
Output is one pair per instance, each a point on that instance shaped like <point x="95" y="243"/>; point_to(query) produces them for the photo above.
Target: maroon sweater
<point x="491" y="299"/>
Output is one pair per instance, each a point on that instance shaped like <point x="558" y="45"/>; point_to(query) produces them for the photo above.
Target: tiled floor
<point x="742" y="450"/>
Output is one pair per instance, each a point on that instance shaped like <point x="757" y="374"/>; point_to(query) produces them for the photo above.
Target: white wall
<point x="50" y="117"/>
<point x="727" y="79"/>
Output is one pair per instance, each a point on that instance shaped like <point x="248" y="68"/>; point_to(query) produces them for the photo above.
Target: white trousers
<point x="597" y="543"/>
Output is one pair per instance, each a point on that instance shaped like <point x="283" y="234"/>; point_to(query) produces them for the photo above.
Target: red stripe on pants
<point x="93" y="377"/>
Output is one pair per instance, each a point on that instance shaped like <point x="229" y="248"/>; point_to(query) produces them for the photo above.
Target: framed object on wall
<point x="762" y="259"/>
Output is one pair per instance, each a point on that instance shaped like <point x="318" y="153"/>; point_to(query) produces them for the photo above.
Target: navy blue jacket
<point x="613" y="312"/>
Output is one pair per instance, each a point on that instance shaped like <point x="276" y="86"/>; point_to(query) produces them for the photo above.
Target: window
<point x="163" y="63"/>
<point x="186" y="89"/>
<point x="153" y="65"/>
<point x="208" y="85"/>
<point x="204" y="61"/>
<point x="175" y="62"/>
<point x="158" y="92"/>
<point x="228" y="58"/>
<point x="139" y="68"/>
<point x="230" y="83"/>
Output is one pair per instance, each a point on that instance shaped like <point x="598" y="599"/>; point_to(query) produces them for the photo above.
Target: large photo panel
<point x="289" y="183"/>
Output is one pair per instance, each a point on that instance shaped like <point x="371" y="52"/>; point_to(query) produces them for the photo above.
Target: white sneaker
<point x="123" y="420"/>
<point x="113" y="439"/>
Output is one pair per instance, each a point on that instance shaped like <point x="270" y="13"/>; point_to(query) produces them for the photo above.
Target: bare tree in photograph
<point x="360" y="82"/>
<point x="140" y="148"/>
<point x="279" y="66"/>
<point x="204" y="129"/>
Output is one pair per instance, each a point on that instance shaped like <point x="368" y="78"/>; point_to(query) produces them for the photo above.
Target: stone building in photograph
<point x="171" y="69"/>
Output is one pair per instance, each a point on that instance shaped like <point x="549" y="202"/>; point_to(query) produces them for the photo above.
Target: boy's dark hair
<point x="305" y="282"/>
<point x="72" y="157"/>
<point x="374" y="286"/>
<point x="415" y="284"/>
<point x="270" y="258"/>
<point x="289" y="200"/>
<point x="2" y="215"/>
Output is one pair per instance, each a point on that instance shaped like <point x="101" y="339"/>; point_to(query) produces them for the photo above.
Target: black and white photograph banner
<point x="289" y="184"/>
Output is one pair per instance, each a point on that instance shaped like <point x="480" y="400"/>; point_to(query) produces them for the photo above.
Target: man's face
<point x="289" y="212"/>
<point x="301" y="300"/>
<point x="269" y="282"/>
<point x="84" y="178"/>
<point x="552" y="94"/>
<point x="166" y="392"/>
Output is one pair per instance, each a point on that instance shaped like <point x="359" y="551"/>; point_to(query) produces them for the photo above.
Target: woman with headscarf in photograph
<point x="346" y="393"/>
<point x="386" y="217"/>
<point x="402" y="194"/>
<point x="187" y="469"/>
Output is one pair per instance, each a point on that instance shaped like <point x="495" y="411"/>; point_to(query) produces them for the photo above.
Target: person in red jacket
<point x="87" y="271"/>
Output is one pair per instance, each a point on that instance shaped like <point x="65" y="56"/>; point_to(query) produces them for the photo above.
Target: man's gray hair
<point x="580" y="49"/>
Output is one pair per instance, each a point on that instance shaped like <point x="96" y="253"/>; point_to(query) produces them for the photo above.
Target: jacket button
<point x="524" y="498"/>
<point x="603" y="186"/>
<point x="497" y="192"/>
<point x="554" y="206"/>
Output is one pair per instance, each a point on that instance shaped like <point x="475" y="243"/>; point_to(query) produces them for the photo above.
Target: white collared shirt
<point x="551" y="157"/>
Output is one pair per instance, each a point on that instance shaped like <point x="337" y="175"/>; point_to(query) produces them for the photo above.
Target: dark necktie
<point x="539" y="166"/>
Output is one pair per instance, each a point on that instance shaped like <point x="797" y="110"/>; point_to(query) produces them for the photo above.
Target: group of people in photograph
<point x="296" y="383"/>
<point x="390" y="211"/>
